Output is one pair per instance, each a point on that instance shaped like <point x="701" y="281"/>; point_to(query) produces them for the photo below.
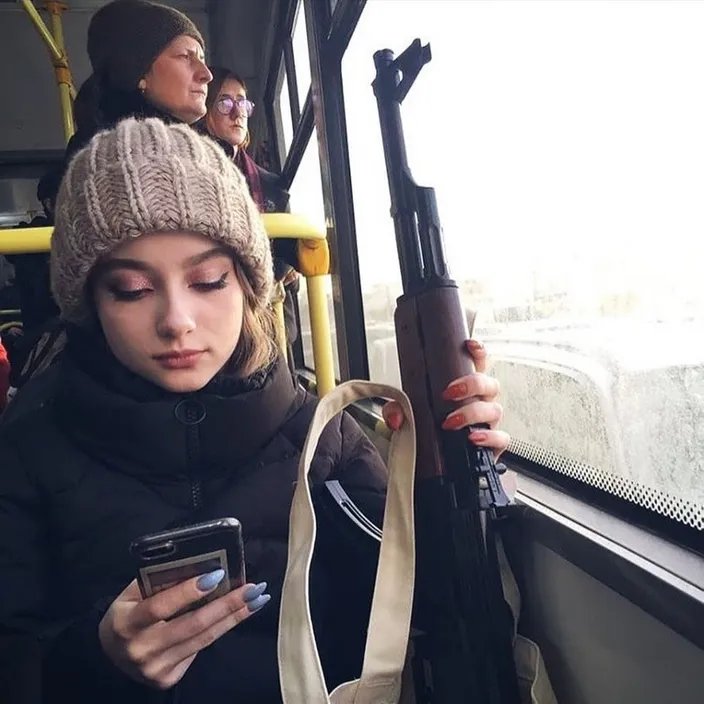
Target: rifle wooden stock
<point x="431" y="333"/>
<point x="464" y="653"/>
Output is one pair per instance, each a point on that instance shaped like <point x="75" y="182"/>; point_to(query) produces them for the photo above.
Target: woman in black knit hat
<point x="148" y="61"/>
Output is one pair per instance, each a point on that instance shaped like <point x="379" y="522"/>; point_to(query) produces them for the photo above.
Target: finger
<point x="471" y="386"/>
<point x="162" y="676"/>
<point x="164" y="605"/>
<point x="204" y="626"/>
<point x="496" y="440"/>
<point x="131" y="592"/>
<point x="153" y="642"/>
<point x="392" y="415"/>
<point x="194" y="623"/>
<point x="479" y="355"/>
<point x="474" y="413"/>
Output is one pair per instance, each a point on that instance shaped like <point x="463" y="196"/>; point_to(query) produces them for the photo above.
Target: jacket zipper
<point x="193" y="450"/>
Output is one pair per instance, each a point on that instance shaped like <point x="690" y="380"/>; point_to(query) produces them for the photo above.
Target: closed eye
<point x="212" y="285"/>
<point x="132" y="295"/>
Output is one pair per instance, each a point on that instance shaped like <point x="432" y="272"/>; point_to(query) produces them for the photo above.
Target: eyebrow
<point x="139" y="265"/>
<point x="233" y="97"/>
<point x="193" y="51"/>
<point x="198" y="54"/>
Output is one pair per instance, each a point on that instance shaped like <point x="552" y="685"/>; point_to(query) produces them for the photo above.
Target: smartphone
<point x="170" y="557"/>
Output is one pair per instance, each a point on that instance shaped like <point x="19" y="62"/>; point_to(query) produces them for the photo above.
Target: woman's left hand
<point x="478" y="393"/>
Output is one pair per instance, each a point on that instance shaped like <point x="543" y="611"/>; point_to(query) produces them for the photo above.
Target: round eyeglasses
<point x="226" y="105"/>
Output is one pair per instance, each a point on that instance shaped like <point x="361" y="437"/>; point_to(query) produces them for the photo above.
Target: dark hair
<point x="220" y="75"/>
<point x="49" y="183"/>
<point x="86" y="105"/>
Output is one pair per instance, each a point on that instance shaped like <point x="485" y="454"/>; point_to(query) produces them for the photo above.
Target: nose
<point x="174" y="319"/>
<point x="203" y="74"/>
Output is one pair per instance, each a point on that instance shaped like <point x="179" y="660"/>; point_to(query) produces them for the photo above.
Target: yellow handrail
<point x="59" y="59"/>
<point x="313" y="263"/>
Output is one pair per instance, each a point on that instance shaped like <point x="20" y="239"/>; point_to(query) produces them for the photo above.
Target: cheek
<point x="124" y="328"/>
<point x="222" y="123"/>
<point x="226" y="316"/>
<point x="171" y="79"/>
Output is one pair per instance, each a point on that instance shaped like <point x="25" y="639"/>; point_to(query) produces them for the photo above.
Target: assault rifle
<point x="464" y="650"/>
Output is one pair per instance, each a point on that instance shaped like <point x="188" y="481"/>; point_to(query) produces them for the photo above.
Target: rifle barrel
<point x="386" y="85"/>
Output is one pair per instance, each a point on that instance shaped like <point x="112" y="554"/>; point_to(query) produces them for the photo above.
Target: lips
<point x="182" y="359"/>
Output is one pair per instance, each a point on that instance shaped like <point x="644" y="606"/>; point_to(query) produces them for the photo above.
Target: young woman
<point x="227" y="121"/>
<point x="148" y="61"/>
<point x="171" y="407"/>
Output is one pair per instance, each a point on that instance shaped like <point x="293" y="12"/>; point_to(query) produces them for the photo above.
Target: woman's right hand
<point x="137" y="637"/>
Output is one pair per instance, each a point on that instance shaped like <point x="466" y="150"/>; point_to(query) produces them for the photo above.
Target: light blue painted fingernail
<point x="210" y="580"/>
<point x="253" y="592"/>
<point x="257" y="603"/>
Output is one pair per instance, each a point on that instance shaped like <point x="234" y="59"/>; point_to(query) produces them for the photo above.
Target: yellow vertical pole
<point x="314" y="264"/>
<point x="55" y="44"/>
<point x="320" y="332"/>
<point x="64" y="79"/>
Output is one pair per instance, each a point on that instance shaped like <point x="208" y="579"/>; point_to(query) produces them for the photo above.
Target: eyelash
<point x="204" y="287"/>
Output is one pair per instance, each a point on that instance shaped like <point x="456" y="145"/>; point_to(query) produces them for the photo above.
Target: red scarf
<point x="248" y="167"/>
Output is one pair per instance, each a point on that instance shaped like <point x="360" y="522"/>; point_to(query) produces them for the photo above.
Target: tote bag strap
<point x="301" y="675"/>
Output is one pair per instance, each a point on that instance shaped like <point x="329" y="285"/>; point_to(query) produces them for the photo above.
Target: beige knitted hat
<point x="146" y="176"/>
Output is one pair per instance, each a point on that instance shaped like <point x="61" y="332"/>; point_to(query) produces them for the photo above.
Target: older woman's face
<point x="228" y="118"/>
<point x="177" y="81"/>
<point x="170" y="306"/>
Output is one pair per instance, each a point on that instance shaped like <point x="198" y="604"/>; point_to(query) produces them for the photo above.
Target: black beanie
<point x="126" y="36"/>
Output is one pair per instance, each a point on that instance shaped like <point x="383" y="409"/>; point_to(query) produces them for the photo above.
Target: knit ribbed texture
<point x="126" y="36"/>
<point x="146" y="176"/>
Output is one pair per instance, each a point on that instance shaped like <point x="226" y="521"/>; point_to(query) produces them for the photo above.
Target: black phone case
<point x="172" y="556"/>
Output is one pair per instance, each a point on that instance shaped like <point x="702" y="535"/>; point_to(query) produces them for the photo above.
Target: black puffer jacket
<point x="95" y="467"/>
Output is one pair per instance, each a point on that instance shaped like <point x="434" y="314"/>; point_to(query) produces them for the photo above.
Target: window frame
<point x="328" y="34"/>
<point x="328" y="37"/>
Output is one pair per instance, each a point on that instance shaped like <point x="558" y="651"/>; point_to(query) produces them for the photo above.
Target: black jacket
<point x="95" y="467"/>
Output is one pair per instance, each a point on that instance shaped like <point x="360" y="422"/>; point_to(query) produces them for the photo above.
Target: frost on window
<point x="564" y="142"/>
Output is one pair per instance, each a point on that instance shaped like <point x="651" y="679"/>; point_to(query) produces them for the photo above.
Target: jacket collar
<point x="115" y="417"/>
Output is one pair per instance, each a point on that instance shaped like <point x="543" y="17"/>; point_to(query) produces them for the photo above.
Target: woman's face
<point x="177" y="81"/>
<point x="170" y="306"/>
<point x="228" y="117"/>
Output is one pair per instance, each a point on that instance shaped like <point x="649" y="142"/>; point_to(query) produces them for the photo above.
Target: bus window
<point x="284" y="110"/>
<point x="301" y="60"/>
<point x="564" y="142"/>
<point x="307" y="200"/>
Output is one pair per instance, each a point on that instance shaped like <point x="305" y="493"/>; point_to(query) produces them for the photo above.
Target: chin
<point x="182" y="382"/>
<point x="197" y="110"/>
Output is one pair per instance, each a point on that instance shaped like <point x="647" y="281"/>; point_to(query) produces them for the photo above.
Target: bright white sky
<point x="564" y="139"/>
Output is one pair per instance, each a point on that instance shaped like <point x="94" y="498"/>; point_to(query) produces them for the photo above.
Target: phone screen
<point x="157" y="578"/>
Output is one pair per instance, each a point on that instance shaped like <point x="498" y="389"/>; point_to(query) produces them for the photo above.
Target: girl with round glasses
<point x="227" y="120"/>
